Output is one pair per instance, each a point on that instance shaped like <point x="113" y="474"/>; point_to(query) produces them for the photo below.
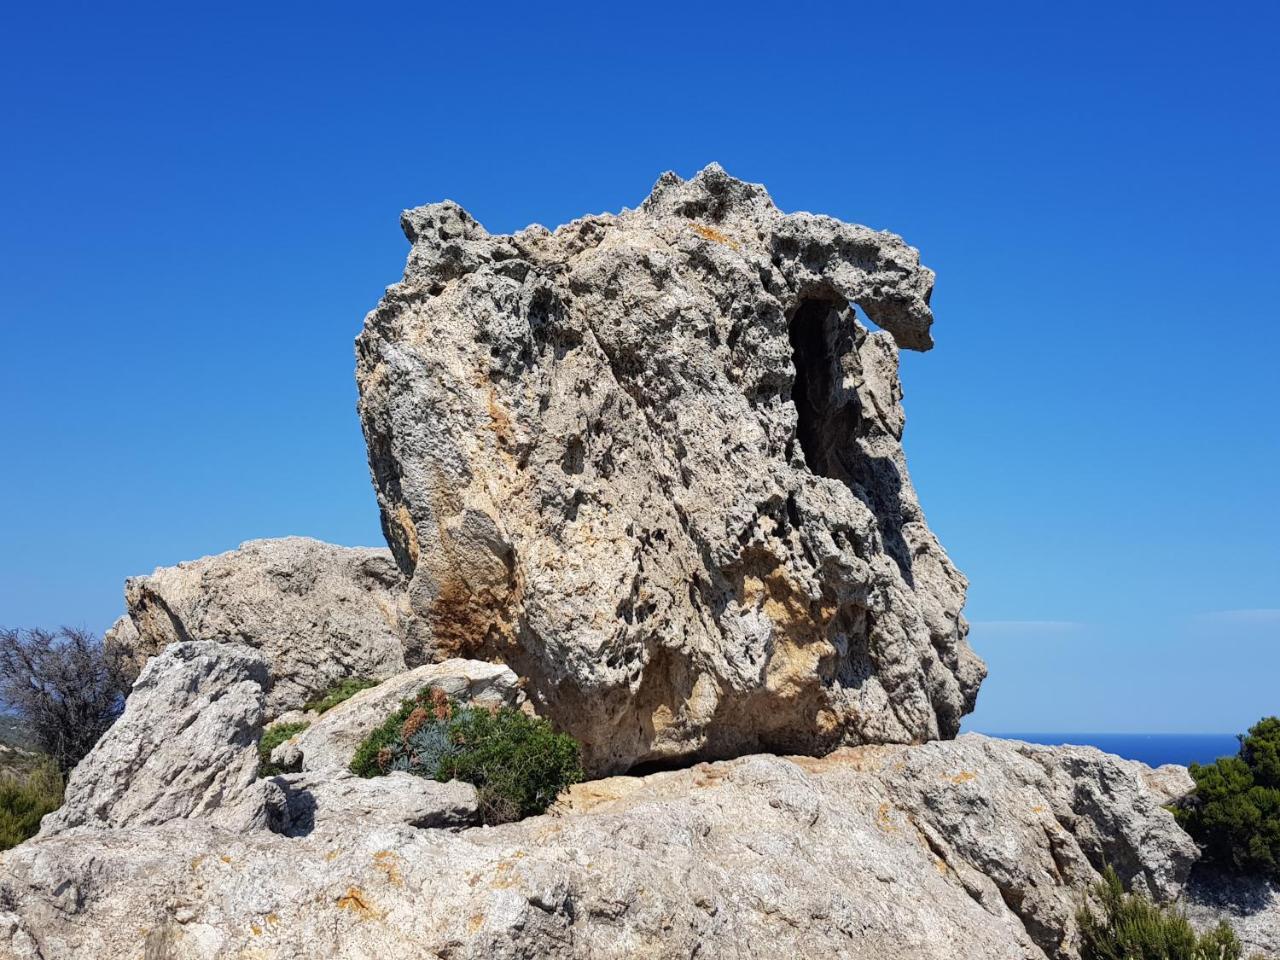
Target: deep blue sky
<point x="198" y="207"/>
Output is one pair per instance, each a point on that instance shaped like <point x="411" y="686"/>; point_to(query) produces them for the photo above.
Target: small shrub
<point x="64" y="686"/>
<point x="24" y="799"/>
<point x="272" y="737"/>
<point x="1234" y="813"/>
<point x="1131" y="927"/>
<point x="340" y="691"/>
<point x="518" y="763"/>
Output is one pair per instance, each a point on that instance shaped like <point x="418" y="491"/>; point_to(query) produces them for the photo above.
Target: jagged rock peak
<point x="652" y="460"/>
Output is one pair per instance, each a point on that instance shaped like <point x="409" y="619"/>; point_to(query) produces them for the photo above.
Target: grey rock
<point x="1171" y="782"/>
<point x="186" y="746"/>
<point x="123" y="646"/>
<point x="653" y="461"/>
<point x="331" y="740"/>
<point x="943" y="851"/>
<point x="1111" y="804"/>
<point x="319" y="613"/>
<point x="1250" y="904"/>
<point x="338" y="801"/>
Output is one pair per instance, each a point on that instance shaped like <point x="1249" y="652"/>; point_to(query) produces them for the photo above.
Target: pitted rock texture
<point x="652" y="461"/>
<point x="318" y="612"/>
<point x="948" y="850"/>
<point x="186" y="746"/>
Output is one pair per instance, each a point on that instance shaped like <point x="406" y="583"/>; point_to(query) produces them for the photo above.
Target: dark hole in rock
<point x="829" y="417"/>
<point x="812" y="333"/>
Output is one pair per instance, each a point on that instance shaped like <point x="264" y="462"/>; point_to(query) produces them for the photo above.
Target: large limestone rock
<point x="949" y="851"/>
<point x="332" y="738"/>
<point x="653" y="462"/>
<point x="317" y="612"/>
<point x="186" y="746"/>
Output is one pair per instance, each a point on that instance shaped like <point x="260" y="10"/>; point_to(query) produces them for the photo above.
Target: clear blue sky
<point x="198" y="204"/>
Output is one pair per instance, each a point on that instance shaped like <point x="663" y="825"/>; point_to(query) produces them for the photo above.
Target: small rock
<point x="331" y="741"/>
<point x="340" y="801"/>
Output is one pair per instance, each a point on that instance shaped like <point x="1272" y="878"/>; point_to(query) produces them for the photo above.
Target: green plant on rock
<point x="272" y="737"/>
<point x="1131" y="927"/>
<point x="24" y="799"/>
<point x="343" y="690"/>
<point x="519" y="764"/>
<point x="1234" y="813"/>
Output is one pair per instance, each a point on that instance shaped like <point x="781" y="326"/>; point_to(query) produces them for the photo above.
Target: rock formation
<point x="317" y="612"/>
<point x="645" y="469"/>
<point x="186" y="745"/>
<point x="652" y="461"/>
<point x="962" y="849"/>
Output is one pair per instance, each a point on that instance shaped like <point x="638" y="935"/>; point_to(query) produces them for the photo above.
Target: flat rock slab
<point x="332" y="800"/>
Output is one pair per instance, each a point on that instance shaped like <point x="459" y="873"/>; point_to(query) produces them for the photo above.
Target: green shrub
<point x="272" y="737"/>
<point x="1131" y="927"/>
<point x="24" y="799"/>
<point x="518" y="763"/>
<point x="340" y="691"/>
<point x="1234" y="813"/>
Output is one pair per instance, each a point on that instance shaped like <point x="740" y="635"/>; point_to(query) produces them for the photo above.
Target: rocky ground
<point x="170" y="846"/>
<point x="966" y="848"/>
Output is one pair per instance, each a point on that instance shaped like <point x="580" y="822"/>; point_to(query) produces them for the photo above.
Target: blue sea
<point x="1153" y="749"/>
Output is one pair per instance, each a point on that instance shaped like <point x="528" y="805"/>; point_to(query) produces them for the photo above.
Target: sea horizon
<point x="1153" y="749"/>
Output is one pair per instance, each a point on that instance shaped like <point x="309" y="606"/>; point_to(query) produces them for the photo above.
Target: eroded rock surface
<point x="653" y="462"/>
<point x="948" y="850"/>
<point x="331" y="739"/>
<point x="186" y="746"/>
<point x="317" y="612"/>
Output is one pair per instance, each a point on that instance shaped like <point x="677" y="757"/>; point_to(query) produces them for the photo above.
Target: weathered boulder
<point x="331" y="739"/>
<point x="317" y="612"/>
<point x="947" y="850"/>
<point x="186" y="746"/>
<point x="335" y="800"/>
<point x="653" y="462"/>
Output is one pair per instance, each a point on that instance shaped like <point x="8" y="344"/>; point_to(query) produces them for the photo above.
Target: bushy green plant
<point x="24" y="799"/>
<point x="1131" y="927"/>
<point x="519" y="764"/>
<point x="1234" y="813"/>
<point x="342" y="690"/>
<point x="272" y="737"/>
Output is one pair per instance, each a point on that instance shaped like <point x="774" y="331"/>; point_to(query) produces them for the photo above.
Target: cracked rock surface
<point x="953" y="849"/>
<point x="186" y="746"/>
<point x="653" y="462"/>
